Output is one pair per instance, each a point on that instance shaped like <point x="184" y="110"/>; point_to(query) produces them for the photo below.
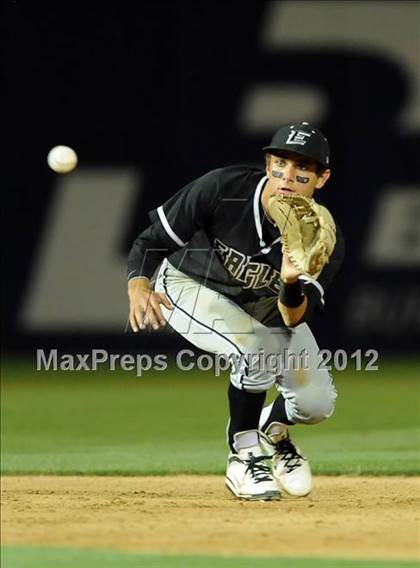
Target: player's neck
<point x="265" y="214"/>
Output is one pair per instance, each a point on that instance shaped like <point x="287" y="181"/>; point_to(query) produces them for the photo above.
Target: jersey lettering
<point x="235" y="262"/>
<point x="250" y="274"/>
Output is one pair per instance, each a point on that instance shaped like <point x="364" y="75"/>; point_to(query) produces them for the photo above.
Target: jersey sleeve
<point x="315" y="288"/>
<point x="173" y="224"/>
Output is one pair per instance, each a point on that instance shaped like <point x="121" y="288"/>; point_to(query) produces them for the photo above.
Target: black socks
<point x="277" y="413"/>
<point x="245" y="409"/>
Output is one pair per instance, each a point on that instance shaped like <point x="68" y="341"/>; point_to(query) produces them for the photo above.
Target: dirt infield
<point x="366" y="517"/>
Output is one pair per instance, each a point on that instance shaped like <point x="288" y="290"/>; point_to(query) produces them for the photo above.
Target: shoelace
<point x="289" y="454"/>
<point x="259" y="471"/>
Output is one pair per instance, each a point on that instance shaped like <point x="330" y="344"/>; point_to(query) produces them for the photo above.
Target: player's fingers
<point x="155" y="304"/>
<point x="159" y="315"/>
<point x="151" y="317"/>
<point x="165" y="301"/>
<point x="139" y="317"/>
<point x="133" y="322"/>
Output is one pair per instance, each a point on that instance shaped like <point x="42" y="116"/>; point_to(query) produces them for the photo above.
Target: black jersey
<point x="215" y="230"/>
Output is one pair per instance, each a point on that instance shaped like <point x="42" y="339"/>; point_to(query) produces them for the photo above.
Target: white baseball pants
<point x="214" y="323"/>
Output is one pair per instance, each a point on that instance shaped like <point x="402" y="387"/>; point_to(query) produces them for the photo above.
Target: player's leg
<point x="307" y="397"/>
<point x="308" y="392"/>
<point x="213" y="323"/>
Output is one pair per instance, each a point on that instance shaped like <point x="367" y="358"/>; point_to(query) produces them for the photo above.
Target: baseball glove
<point x="308" y="232"/>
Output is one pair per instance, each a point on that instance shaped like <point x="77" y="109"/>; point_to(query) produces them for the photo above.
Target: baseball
<point x="62" y="159"/>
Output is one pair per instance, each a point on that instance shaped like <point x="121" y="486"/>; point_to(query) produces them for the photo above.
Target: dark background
<point x="160" y="87"/>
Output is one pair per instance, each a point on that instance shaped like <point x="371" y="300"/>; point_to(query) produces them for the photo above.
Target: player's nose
<point x="289" y="171"/>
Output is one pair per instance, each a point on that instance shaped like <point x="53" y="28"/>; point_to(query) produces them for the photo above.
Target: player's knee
<point x="258" y="384"/>
<point x="311" y="406"/>
<point x="253" y="382"/>
<point x="251" y="371"/>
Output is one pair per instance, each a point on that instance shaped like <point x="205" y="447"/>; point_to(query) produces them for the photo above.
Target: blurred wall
<point x="152" y="95"/>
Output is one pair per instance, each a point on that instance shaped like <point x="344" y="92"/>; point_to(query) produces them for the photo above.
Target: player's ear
<point x="323" y="177"/>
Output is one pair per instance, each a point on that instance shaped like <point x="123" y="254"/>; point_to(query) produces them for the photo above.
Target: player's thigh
<point x="303" y="353"/>
<point x="210" y="320"/>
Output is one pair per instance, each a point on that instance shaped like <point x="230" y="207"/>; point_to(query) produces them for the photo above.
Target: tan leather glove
<point x="307" y="231"/>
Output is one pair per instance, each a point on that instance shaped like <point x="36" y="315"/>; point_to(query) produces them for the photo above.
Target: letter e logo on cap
<point x="297" y="137"/>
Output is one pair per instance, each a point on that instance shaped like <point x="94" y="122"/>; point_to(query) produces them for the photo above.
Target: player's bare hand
<point x="145" y="305"/>
<point x="289" y="273"/>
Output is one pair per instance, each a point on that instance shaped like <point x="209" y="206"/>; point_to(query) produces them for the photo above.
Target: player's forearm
<point x="293" y="316"/>
<point x="145" y="256"/>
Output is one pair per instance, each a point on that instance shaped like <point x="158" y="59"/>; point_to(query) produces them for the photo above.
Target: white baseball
<point x="62" y="159"/>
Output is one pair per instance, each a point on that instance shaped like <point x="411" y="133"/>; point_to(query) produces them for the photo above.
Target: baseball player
<point x="214" y="255"/>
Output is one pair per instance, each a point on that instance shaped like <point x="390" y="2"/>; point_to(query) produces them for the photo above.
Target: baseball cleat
<point x="249" y="477"/>
<point x="290" y="468"/>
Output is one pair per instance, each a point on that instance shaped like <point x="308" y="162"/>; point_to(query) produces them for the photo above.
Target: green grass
<point x="172" y="421"/>
<point x="13" y="557"/>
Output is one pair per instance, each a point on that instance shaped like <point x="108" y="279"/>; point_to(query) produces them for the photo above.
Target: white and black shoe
<point x="290" y="467"/>
<point x="248" y="473"/>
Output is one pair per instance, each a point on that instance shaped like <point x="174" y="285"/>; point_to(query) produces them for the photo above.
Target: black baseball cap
<point x="304" y="139"/>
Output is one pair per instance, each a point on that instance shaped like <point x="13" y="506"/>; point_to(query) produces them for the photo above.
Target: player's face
<point x="290" y="173"/>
